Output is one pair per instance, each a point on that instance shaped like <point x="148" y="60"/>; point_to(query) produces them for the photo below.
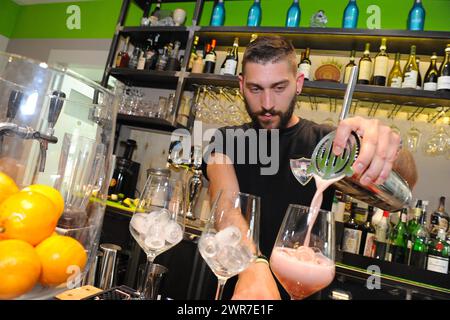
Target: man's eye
<point x="255" y="90"/>
<point x="280" y="88"/>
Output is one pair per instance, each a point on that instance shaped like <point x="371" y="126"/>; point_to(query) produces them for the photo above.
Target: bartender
<point x="270" y="85"/>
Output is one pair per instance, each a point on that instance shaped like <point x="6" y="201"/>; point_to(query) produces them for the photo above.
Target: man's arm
<point x="256" y="282"/>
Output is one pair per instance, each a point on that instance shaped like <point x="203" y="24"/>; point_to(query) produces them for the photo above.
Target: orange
<point x="60" y="257"/>
<point x="7" y="186"/>
<point x="27" y="216"/>
<point x="50" y="193"/>
<point x="19" y="268"/>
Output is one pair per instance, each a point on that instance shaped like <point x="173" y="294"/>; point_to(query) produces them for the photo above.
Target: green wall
<point x="99" y="17"/>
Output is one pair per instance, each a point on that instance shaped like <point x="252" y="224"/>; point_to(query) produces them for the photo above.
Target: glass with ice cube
<point x="158" y="221"/>
<point x="229" y="242"/>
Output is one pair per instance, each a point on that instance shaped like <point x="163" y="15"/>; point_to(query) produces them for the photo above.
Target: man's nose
<point x="267" y="100"/>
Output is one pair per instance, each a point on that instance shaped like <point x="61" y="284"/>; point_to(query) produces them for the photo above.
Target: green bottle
<point x="438" y="254"/>
<point x="398" y="240"/>
<point x="419" y="249"/>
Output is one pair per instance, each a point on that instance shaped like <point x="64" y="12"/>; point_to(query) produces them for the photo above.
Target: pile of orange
<point x="30" y="250"/>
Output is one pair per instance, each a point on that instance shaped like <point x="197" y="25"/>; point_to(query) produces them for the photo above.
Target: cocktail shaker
<point x="392" y="195"/>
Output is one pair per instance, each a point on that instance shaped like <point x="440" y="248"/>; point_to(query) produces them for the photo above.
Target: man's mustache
<point x="272" y="112"/>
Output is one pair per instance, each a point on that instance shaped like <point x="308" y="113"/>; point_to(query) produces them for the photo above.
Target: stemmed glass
<point x="413" y="137"/>
<point x="303" y="255"/>
<point x="158" y="222"/>
<point x="229" y="241"/>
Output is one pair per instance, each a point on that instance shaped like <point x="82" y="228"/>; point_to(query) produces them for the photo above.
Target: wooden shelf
<point x="339" y="39"/>
<point x="146" y="78"/>
<point x="408" y="97"/>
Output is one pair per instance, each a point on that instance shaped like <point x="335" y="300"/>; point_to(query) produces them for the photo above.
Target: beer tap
<point x="15" y="99"/>
<point x="192" y="165"/>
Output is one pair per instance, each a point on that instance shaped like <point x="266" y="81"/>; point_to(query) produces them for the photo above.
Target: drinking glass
<point x="303" y="255"/>
<point x="229" y="241"/>
<point x="413" y="137"/>
<point x="158" y="222"/>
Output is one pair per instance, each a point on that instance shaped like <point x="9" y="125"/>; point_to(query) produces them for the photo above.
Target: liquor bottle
<point x="439" y="219"/>
<point x="380" y="68"/>
<point x="351" y="12"/>
<point x="349" y="67"/>
<point x="420" y="246"/>
<point x="413" y="225"/>
<point x="368" y="235"/>
<point x="305" y="65"/>
<point x="134" y="58"/>
<point x="222" y="67"/>
<point x="399" y="240"/>
<point x="410" y="71"/>
<point x="438" y="254"/>
<point x="444" y="72"/>
<point x="395" y="78"/>
<point x="197" y="65"/>
<point x="123" y="58"/>
<point x="419" y="77"/>
<point x="193" y="54"/>
<point x="253" y="37"/>
<point x="351" y="239"/>
<point x="153" y="54"/>
<point x="174" y="63"/>
<point x="431" y="76"/>
<point x="293" y="15"/>
<point x="416" y="16"/>
<point x="231" y="64"/>
<point x="365" y="66"/>
<point x="142" y="59"/>
<point x="382" y="230"/>
<point x="163" y="59"/>
<point x="156" y="14"/>
<point x="218" y="14"/>
<point x="254" y="15"/>
<point x="210" y="58"/>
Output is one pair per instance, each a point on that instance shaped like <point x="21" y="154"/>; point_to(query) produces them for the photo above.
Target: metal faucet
<point x="192" y="165"/>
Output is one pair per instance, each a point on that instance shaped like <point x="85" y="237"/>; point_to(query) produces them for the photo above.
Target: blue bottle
<point x="254" y="15"/>
<point x="416" y="16"/>
<point x="293" y="15"/>
<point x="351" y="12"/>
<point x="218" y="14"/>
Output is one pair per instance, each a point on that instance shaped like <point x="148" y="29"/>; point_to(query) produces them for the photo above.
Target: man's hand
<point x="256" y="283"/>
<point x="379" y="148"/>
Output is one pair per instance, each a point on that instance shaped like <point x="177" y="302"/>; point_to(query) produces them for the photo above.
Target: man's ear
<point x="241" y="83"/>
<point x="299" y="82"/>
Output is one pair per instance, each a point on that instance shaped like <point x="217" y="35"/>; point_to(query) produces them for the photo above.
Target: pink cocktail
<point x="303" y="271"/>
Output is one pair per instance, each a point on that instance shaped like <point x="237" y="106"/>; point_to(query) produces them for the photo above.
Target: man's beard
<point x="284" y="116"/>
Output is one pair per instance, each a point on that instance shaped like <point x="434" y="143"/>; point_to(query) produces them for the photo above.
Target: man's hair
<point x="270" y="49"/>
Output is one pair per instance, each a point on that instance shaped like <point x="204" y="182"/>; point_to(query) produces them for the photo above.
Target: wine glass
<point x="158" y="222"/>
<point x="229" y="241"/>
<point x="303" y="255"/>
<point x="413" y="137"/>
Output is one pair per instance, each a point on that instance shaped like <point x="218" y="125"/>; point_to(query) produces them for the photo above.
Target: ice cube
<point x="154" y="243"/>
<point x="305" y="254"/>
<point x="207" y="245"/>
<point x="173" y="232"/>
<point x="160" y="216"/>
<point x="231" y="236"/>
<point x="233" y="259"/>
<point x="139" y="223"/>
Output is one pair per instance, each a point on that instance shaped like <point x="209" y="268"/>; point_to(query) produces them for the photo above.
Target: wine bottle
<point x="231" y="64"/>
<point x="210" y="58"/>
<point x="416" y="16"/>
<point x="382" y="230"/>
<point x="380" y="68"/>
<point x="439" y="219"/>
<point x="218" y="14"/>
<point x="368" y="235"/>
<point x="153" y="54"/>
<point x="349" y="67"/>
<point x="410" y="71"/>
<point x="293" y="15"/>
<point x="419" y="77"/>
<point x="420" y="246"/>
<point x="395" y="78"/>
<point x="174" y="63"/>
<point x="444" y="72"/>
<point x="305" y="65"/>
<point x="365" y="66"/>
<point x="156" y="14"/>
<point x="351" y="12"/>
<point x="351" y="240"/>
<point x="254" y="14"/>
<point x="399" y="240"/>
<point x="438" y="254"/>
<point x="193" y="54"/>
<point x="431" y="76"/>
<point x="222" y="67"/>
<point x="123" y="58"/>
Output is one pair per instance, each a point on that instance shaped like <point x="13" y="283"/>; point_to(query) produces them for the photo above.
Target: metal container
<point x="108" y="267"/>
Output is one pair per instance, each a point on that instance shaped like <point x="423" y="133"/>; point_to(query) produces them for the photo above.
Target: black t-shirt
<point x="279" y="190"/>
